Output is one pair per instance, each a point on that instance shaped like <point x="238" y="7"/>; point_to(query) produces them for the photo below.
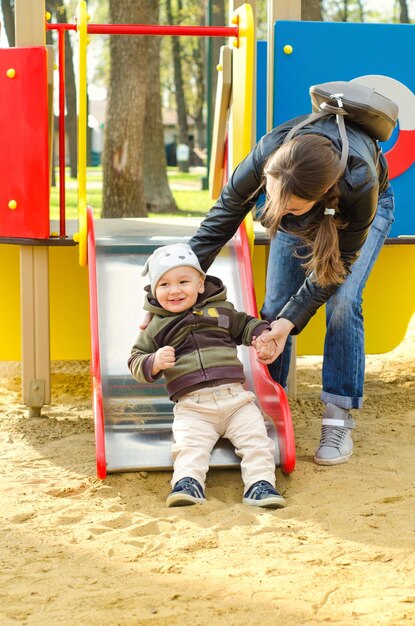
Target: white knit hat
<point x="168" y="257"/>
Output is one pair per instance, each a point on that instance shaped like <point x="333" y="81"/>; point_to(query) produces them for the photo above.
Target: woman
<point x="327" y="228"/>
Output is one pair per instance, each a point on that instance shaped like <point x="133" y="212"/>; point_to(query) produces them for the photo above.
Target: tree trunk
<point x="179" y="87"/>
<point x="345" y="10"/>
<point x="215" y="16"/>
<point x="361" y="10"/>
<point x="200" y="61"/>
<point x="71" y="121"/>
<point x="8" y="17"/>
<point x="311" y="11"/>
<point x="404" y="13"/>
<point x="158" y="196"/>
<point x="123" y="155"/>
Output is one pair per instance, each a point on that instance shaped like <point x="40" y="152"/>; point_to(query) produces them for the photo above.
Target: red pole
<point x="60" y="27"/>
<point x="151" y="29"/>
<point x="62" y="207"/>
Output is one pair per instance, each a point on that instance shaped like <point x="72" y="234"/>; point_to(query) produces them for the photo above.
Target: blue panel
<point x="329" y="51"/>
<point x="261" y="89"/>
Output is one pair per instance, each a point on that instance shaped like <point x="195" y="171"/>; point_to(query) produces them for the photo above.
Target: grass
<point x="190" y="202"/>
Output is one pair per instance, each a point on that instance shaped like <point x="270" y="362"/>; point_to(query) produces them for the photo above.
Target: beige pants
<point x="202" y="417"/>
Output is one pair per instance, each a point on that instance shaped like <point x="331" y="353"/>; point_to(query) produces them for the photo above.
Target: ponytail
<point x="323" y="258"/>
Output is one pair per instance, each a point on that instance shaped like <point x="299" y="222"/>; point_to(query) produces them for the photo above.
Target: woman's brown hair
<point x="308" y="167"/>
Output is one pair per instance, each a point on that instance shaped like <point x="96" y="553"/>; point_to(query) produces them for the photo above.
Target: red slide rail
<point x="270" y="394"/>
<point x="95" y="356"/>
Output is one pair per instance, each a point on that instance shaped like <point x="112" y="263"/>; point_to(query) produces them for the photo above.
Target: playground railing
<point x="82" y="27"/>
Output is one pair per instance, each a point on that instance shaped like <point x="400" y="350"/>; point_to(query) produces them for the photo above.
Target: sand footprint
<point x="120" y="522"/>
<point x="390" y="499"/>
<point x="69" y="492"/>
<point x="143" y="529"/>
<point x="20" y="518"/>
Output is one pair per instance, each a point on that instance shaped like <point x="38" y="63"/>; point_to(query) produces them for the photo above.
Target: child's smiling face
<point x="178" y="289"/>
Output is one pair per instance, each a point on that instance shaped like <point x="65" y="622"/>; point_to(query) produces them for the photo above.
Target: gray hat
<point x="168" y="257"/>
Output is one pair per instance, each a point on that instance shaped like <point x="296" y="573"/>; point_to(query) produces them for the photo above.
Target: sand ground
<point x="75" y="550"/>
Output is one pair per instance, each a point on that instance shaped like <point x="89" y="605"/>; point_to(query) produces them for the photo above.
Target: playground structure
<point x="132" y="427"/>
<point x="123" y="442"/>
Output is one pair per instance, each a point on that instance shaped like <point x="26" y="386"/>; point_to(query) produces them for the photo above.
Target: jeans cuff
<point x="344" y="402"/>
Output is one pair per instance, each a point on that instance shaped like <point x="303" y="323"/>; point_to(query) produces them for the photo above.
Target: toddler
<point x="191" y="340"/>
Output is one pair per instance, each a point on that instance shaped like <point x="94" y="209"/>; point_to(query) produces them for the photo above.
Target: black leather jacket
<point x="366" y="175"/>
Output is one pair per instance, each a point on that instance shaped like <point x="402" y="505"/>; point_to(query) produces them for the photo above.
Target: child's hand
<point x="164" y="358"/>
<point x="277" y="336"/>
<point x="267" y="352"/>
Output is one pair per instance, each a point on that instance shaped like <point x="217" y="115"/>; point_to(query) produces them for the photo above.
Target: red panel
<point x="24" y="152"/>
<point x="402" y="154"/>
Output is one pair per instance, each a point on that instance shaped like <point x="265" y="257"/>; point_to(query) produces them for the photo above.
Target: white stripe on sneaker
<point x="329" y="421"/>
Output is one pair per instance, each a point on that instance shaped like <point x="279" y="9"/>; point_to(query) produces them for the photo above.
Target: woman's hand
<point x="265" y="352"/>
<point x="146" y="320"/>
<point x="164" y="358"/>
<point x="280" y="329"/>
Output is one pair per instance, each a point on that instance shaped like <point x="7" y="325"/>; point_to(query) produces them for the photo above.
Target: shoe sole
<point x="336" y="461"/>
<point x="183" y="500"/>
<point x="268" y="503"/>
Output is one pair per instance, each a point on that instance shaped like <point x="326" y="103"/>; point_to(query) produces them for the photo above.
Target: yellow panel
<point x="259" y="268"/>
<point x="69" y="308"/>
<point x="69" y="316"/>
<point x="388" y="301"/>
<point x="10" y="309"/>
<point x="388" y="304"/>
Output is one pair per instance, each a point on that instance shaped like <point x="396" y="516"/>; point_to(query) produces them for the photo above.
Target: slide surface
<point x="133" y="421"/>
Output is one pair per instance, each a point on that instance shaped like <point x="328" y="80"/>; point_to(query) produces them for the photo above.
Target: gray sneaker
<point x="336" y="445"/>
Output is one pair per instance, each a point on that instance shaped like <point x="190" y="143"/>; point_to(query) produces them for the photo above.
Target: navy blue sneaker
<point x="185" y="492"/>
<point x="263" y="494"/>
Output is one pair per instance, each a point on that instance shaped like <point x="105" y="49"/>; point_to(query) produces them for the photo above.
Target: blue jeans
<point x="344" y="353"/>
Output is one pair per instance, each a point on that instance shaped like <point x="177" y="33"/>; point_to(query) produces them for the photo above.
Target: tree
<point x="134" y="164"/>
<point x="158" y="196"/>
<point x="123" y="154"/>
<point x="404" y="13"/>
<point x="58" y="10"/>
<point x="311" y="10"/>
<point x="178" y="81"/>
<point x="199" y="57"/>
<point x="193" y="66"/>
<point x="7" y="7"/>
<point x="215" y="17"/>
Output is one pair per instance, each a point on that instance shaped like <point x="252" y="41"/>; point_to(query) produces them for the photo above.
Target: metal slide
<point x="133" y="421"/>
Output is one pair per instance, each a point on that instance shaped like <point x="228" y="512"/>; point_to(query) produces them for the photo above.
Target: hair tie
<point x="329" y="211"/>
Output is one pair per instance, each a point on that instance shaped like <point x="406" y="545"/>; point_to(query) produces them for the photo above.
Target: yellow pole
<point x="243" y="76"/>
<point x="82" y="235"/>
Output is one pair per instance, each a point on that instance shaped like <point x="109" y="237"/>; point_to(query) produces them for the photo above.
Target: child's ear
<point x="201" y="285"/>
